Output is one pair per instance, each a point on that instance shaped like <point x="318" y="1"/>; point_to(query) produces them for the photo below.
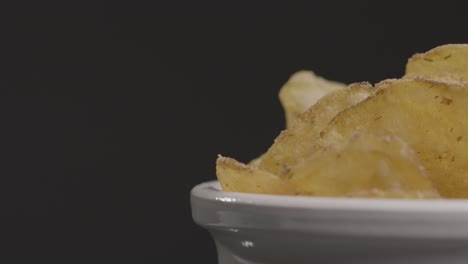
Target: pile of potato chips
<point x="400" y="138"/>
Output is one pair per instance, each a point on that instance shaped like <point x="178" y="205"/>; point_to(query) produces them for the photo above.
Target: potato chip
<point x="365" y="166"/>
<point x="303" y="90"/>
<point x="296" y="143"/>
<point x="429" y="114"/>
<point x="237" y="177"/>
<point x="255" y="162"/>
<point x="451" y="59"/>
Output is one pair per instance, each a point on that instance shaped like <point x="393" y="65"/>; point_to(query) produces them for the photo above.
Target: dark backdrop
<point x="110" y="114"/>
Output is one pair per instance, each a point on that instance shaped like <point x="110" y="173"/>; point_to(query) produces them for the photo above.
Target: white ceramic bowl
<point x="253" y="228"/>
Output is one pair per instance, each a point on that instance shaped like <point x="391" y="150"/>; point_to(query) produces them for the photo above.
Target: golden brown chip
<point x="429" y="114"/>
<point x="255" y="162"/>
<point x="365" y="166"/>
<point x="237" y="177"/>
<point x="296" y="143"/>
<point x="446" y="59"/>
<point x="302" y="90"/>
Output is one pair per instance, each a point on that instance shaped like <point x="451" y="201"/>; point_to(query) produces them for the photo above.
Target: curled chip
<point x="447" y="59"/>
<point x="237" y="177"/>
<point x="301" y="91"/>
<point x="408" y="128"/>
<point x="429" y="114"/>
<point x="365" y="166"/>
<point x="255" y="162"/>
<point x="297" y="143"/>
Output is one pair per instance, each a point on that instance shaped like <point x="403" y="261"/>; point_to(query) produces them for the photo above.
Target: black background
<point x="111" y="113"/>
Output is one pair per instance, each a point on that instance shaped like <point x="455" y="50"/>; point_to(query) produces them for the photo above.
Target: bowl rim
<point x="445" y="219"/>
<point x="211" y="191"/>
